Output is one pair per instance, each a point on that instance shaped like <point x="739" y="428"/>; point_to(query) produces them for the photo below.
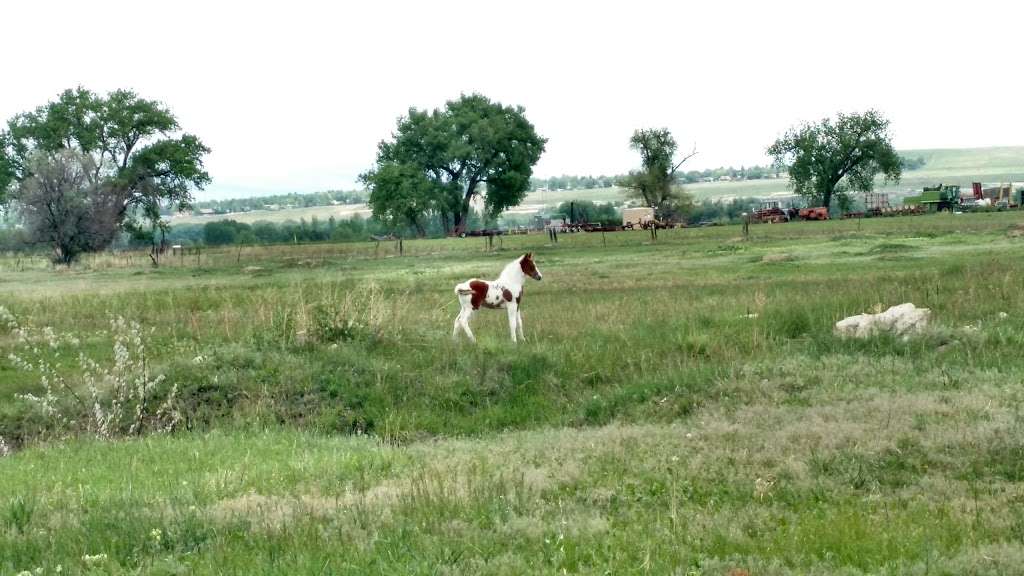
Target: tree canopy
<point x="655" y="184"/>
<point x="829" y="159"/>
<point x="440" y="161"/>
<point x="135" y="149"/>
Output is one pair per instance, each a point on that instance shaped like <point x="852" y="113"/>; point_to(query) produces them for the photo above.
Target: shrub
<point x="120" y="398"/>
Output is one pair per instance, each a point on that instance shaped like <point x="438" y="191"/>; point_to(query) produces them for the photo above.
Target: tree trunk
<point x="462" y="216"/>
<point x="417" y="225"/>
<point x="826" y="198"/>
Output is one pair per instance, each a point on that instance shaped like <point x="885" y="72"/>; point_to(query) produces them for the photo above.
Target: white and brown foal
<point x="505" y="292"/>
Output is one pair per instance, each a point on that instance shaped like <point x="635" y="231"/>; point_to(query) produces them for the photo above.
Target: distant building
<point x="637" y="216"/>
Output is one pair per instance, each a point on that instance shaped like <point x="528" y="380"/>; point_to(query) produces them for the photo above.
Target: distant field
<point x="321" y="212"/>
<point x="952" y="166"/>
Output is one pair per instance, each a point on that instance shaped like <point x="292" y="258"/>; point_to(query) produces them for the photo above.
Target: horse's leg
<point x="465" y="325"/>
<point x="519" y="324"/>
<point x="513" y="313"/>
<point x="463" y="320"/>
<point x="458" y="322"/>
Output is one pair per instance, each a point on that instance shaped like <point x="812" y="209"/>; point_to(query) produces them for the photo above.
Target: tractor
<point x="770" y="211"/>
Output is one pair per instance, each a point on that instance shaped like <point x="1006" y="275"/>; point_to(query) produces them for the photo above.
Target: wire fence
<point x="312" y="253"/>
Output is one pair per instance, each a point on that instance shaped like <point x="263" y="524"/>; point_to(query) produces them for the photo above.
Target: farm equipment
<point x="936" y="198"/>
<point x="482" y="232"/>
<point x="876" y="203"/>
<point x="656" y="224"/>
<point x="819" y="213"/>
<point x="1004" y="196"/>
<point x="769" y="211"/>
<point x="998" y="196"/>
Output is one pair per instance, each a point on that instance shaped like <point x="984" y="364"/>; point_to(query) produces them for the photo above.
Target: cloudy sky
<point x="294" y="96"/>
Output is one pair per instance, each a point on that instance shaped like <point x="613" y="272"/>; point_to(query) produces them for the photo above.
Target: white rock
<point x="902" y="320"/>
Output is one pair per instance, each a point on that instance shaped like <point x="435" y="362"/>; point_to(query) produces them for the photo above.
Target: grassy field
<point x="680" y="407"/>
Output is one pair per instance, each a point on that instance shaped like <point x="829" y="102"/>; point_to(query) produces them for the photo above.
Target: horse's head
<point x="529" y="267"/>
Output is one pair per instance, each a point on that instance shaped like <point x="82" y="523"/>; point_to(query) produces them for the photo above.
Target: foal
<point x="505" y="292"/>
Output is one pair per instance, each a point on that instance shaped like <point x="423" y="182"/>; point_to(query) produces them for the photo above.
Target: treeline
<point x="587" y="211"/>
<point x="721" y="212"/>
<point x="281" y="201"/>
<point x="705" y="211"/>
<point x="730" y="173"/>
<point x="355" y="229"/>
<point x="566" y="182"/>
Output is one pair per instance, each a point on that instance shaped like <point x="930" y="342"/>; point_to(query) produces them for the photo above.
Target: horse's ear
<point x="528" y="255"/>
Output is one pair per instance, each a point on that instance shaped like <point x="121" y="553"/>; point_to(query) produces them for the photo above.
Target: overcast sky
<point x="294" y="96"/>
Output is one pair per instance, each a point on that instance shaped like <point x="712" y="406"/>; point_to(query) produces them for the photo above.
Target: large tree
<point x="440" y="161"/>
<point x="136" y="149"/>
<point x="655" y="184"/>
<point x="62" y="204"/>
<point x="829" y="159"/>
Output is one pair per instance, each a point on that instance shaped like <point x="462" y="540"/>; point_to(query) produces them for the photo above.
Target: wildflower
<point x="94" y="559"/>
<point x="7" y="319"/>
<point x="762" y="486"/>
<point x="156" y="534"/>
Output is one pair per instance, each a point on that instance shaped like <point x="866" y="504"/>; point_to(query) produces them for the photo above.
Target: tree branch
<point x="685" y="158"/>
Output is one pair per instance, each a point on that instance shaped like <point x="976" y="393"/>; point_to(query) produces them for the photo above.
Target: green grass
<point x="680" y="406"/>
